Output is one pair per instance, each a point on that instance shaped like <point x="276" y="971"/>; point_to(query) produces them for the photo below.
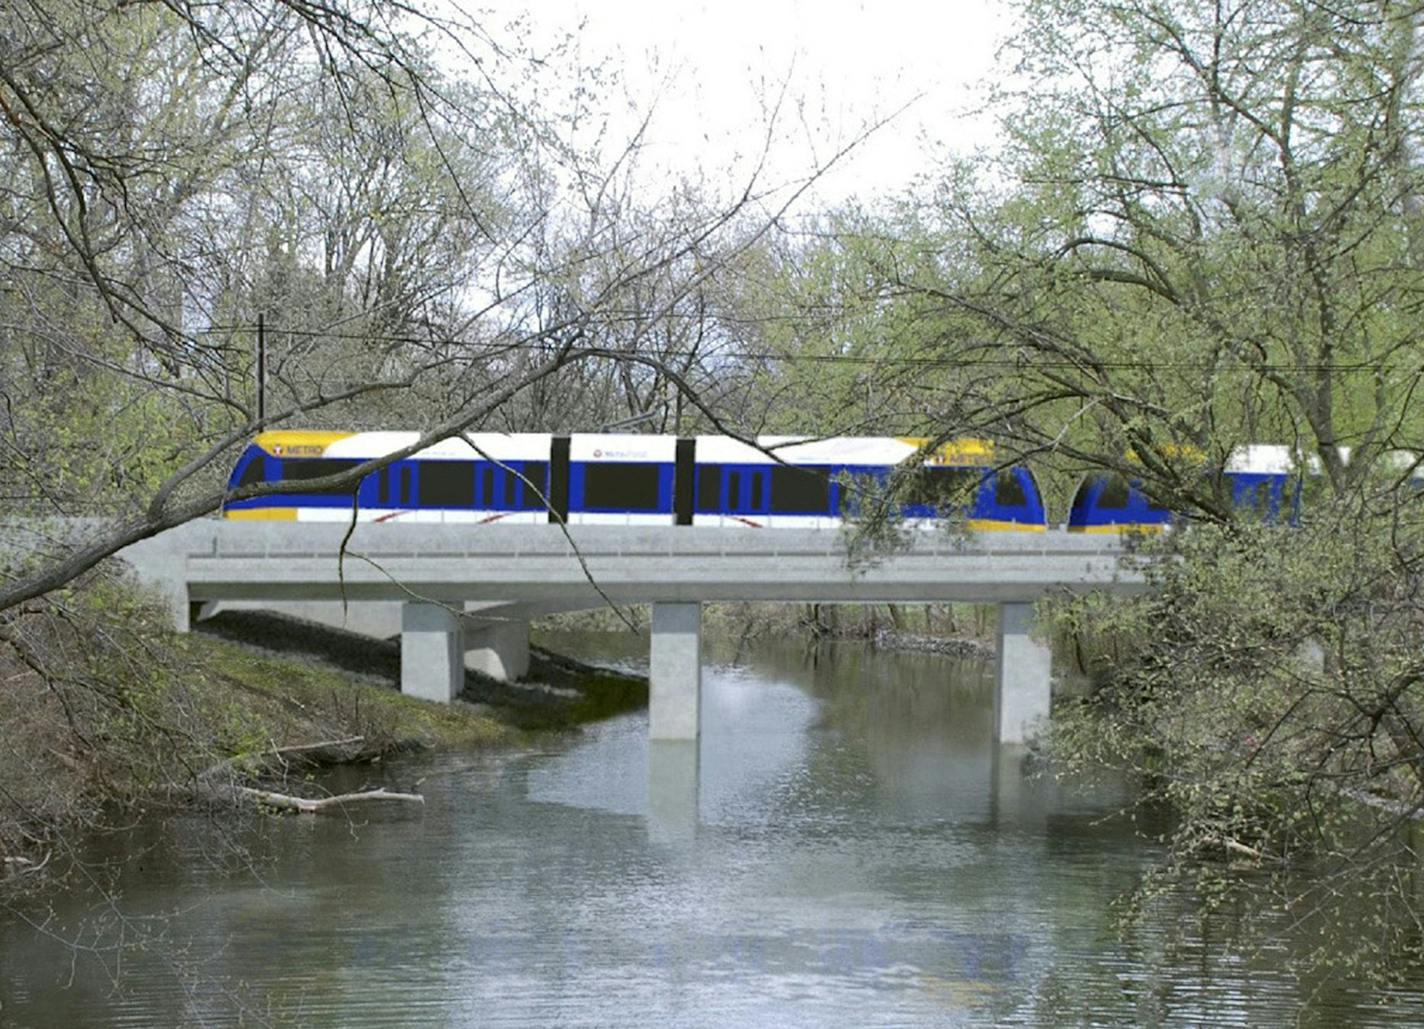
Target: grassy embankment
<point x="104" y="709"/>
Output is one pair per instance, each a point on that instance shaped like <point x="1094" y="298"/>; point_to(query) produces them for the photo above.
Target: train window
<point x="395" y="484"/>
<point x="1114" y="494"/>
<point x="255" y="472"/>
<point x="754" y="490"/>
<point x="447" y="484"/>
<point x="800" y="491"/>
<point x="858" y="489"/>
<point x="1255" y="498"/>
<point x="733" y="491"/>
<point x="1009" y="491"/>
<point x="487" y="485"/>
<point x="709" y="488"/>
<point x="536" y="488"/>
<point x="621" y="486"/>
<point x="303" y="469"/>
<point x="943" y="487"/>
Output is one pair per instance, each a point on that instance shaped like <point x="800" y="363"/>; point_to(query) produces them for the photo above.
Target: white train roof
<point x="875" y="451"/>
<point x="1410" y="461"/>
<point x="850" y="450"/>
<point x="1262" y="459"/>
<point x="473" y="446"/>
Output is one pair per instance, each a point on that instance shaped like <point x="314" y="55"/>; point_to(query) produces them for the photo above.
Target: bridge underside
<point x="438" y="642"/>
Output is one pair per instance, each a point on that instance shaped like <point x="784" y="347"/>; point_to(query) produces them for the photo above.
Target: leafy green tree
<point x="1201" y="230"/>
<point x="430" y="249"/>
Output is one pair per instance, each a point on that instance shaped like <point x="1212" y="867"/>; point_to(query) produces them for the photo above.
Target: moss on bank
<point x="266" y="697"/>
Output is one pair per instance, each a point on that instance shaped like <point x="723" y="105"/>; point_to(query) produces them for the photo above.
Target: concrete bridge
<point x="458" y="588"/>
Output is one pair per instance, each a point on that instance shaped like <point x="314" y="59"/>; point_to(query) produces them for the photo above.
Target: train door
<point x="745" y="491"/>
<point x="396" y="491"/>
<point x="488" y="480"/>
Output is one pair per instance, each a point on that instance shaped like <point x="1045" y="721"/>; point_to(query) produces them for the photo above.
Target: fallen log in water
<point x="24" y="865"/>
<point x="320" y="805"/>
<point x="207" y="785"/>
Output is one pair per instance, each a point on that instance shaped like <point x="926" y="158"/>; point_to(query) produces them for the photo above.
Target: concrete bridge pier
<point x="1024" y="691"/>
<point x="499" y="649"/>
<point x="675" y="672"/>
<point x="432" y="654"/>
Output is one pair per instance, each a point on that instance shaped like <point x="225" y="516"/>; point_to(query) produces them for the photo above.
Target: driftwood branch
<point x="322" y="805"/>
<point x="24" y="865"/>
<point x="1237" y="847"/>
<point x="217" y="781"/>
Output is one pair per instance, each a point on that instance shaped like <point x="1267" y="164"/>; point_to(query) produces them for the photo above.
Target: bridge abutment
<point x="499" y="649"/>
<point x="1024" y="691"/>
<point x="432" y="653"/>
<point x="675" y="672"/>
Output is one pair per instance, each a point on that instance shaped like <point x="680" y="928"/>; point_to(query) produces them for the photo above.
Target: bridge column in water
<point x="499" y="649"/>
<point x="432" y="655"/>
<point x="1024" y="690"/>
<point x="675" y="672"/>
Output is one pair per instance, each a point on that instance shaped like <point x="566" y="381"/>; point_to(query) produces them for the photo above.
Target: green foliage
<point x="1271" y="695"/>
<point x="1201" y="229"/>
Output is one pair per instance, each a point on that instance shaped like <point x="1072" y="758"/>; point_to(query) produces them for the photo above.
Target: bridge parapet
<point x="296" y="561"/>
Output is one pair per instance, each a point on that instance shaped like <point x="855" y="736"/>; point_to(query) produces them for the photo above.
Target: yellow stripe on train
<point x="999" y="525"/>
<point x="262" y="514"/>
<point x="1117" y="527"/>
<point x="958" y="453"/>
<point x="298" y="442"/>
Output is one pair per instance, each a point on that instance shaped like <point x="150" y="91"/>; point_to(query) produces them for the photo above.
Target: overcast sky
<point x="712" y="66"/>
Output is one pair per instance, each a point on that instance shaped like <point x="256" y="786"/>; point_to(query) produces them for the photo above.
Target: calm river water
<point x="848" y="848"/>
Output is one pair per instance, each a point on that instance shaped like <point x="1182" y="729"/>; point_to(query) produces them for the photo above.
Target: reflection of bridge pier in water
<point x="999" y="787"/>
<point x="674" y="789"/>
<point x="1022" y="698"/>
<point x="787" y="730"/>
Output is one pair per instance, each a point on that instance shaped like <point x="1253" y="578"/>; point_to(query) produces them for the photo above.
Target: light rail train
<point x="629" y="480"/>
<point x="484" y="478"/>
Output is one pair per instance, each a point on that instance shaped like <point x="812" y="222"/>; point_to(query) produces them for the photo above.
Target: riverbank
<point x="107" y="711"/>
<point x="965" y="630"/>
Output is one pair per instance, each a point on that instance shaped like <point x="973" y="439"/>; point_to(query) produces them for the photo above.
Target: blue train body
<point x="628" y="480"/>
<point x="1263" y="480"/>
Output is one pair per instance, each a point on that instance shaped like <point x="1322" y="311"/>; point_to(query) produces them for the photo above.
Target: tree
<point x="1202" y="230"/>
<point x="430" y="248"/>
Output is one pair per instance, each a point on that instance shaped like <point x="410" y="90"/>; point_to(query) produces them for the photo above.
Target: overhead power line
<point x="495" y="348"/>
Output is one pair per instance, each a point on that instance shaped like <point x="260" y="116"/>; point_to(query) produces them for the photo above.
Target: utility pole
<point x="261" y="369"/>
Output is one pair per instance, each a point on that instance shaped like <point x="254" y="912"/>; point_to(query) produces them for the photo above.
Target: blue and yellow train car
<point x="629" y="480"/>
<point x="1263" y="479"/>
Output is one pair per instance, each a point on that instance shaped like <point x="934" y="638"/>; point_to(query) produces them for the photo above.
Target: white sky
<point x="713" y="66"/>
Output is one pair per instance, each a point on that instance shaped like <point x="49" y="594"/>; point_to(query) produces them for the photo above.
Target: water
<point x="848" y="848"/>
